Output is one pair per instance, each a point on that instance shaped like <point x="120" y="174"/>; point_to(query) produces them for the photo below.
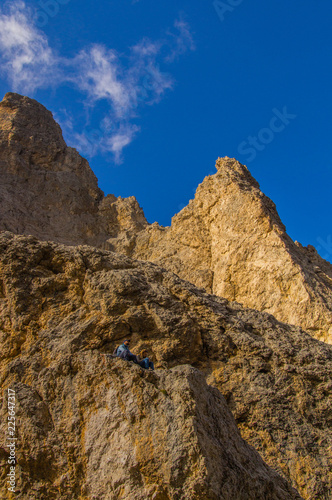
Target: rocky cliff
<point x="228" y="240"/>
<point x="47" y="189"/>
<point x="117" y="432"/>
<point x="89" y="428"/>
<point x="231" y="241"/>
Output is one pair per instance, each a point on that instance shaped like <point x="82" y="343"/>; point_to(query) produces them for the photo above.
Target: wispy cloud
<point x="98" y="73"/>
<point x="106" y="139"/>
<point x="27" y="59"/>
<point x="116" y="142"/>
<point x="148" y="83"/>
<point x="182" y="40"/>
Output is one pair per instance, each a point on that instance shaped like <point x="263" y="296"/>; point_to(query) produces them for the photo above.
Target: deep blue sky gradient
<point x="262" y="56"/>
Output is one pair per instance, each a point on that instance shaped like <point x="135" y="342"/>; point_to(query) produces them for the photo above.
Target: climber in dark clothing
<point x="144" y="361"/>
<point x="124" y="352"/>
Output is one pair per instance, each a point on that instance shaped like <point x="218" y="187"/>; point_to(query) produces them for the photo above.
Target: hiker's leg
<point x="151" y="365"/>
<point x="144" y="363"/>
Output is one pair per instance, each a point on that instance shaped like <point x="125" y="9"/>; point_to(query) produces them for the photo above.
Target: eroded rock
<point x="47" y="189"/>
<point x="58" y="305"/>
<point x="94" y="430"/>
<point x="229" y="239"/>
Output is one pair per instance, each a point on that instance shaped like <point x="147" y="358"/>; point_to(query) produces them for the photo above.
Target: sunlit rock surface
<point x="93" y="429"/>
<point x="229" y="239"/>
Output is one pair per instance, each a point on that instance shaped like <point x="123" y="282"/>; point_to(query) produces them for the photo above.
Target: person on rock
<point x="144" y="361"/>
<point x="124" y="352"/>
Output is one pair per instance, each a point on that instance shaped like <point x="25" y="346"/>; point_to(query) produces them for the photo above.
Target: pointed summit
<point x="236" y="172"/>
<point x="230" y="240"/>
<point x="47" y="189"/>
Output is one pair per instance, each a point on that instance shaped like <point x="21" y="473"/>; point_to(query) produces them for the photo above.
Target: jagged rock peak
<point x="229" y="239"/>
<point x="47" y="189"/>
<point x="235" y="171"/>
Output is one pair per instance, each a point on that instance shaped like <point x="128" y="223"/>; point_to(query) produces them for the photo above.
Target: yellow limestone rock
<point x="88" y="429"/>
<point x="228" y="240"/>
<point x="47" y="189"/>
<point x="92" y="431"/>
<point x="231" y="241"/>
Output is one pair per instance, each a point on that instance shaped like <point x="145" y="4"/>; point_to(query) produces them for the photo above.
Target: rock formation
<point x="133" y="435"/>
<point x="231" y="241"/>
<point x="47" y="189"/>
<point x="228" y="240"/>
<point x="88" y="429"/>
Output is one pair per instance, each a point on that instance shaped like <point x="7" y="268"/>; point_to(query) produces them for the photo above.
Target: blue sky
<point x="152" y="92"/>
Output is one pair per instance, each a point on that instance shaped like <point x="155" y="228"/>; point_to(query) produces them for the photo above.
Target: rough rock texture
<point x="231" y="241"/>
<point x="58" y="305"/>
<point x="117" y="431"/>
<point x="47" y="189"/>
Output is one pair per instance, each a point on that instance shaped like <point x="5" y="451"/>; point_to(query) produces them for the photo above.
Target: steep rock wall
<point x="228" y="240"/>
<point x="47" y="189"/>
<point x="59" y="304"/>
<point x="231" y="241"/>
<point x="89" y="431"/>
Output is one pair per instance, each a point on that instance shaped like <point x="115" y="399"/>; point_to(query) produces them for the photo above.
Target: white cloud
<point x="120" y="140"/>
<point x="182" y="40"/>
<point x="94" y="141"/>
<point x="146" y="48"/>
<point x="27" y="59"/>
<point x="97" y="72"/>
<point x="147" y="81"/>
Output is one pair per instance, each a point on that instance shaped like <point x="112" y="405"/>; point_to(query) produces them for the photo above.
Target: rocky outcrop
<point x="228" y="240"/>
<point x="47" y="189"/>
<point x="231" y="241"/>
<point x="113" y="431"/>
<point x="117" y="431"/>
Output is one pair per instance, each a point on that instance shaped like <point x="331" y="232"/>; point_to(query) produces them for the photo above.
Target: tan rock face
<point x="228" y="240"/>
<point x="231" y="241"/>
<point x="117" y="431"/>
<point x="47" y="189"/>
<point x="89" y="430"/>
